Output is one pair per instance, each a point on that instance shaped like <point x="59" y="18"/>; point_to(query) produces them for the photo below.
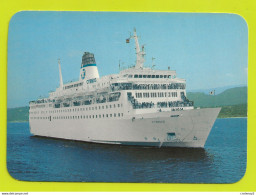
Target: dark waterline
<point x="223" y="160"/>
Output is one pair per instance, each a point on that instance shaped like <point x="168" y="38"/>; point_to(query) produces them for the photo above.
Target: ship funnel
<point x="88" y="69"/>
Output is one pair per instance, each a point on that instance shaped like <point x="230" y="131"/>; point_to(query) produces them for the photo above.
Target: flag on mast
<point x="212" y="92"/>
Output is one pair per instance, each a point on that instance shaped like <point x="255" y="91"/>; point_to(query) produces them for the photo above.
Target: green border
<point x="246" y="9"/>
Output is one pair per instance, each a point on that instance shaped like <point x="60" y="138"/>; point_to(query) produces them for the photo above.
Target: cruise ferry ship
<point x="139" y="106"/>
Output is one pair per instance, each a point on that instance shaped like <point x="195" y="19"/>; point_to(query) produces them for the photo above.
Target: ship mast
<point x="140" y="53"/>
<point x="61" y="81"/>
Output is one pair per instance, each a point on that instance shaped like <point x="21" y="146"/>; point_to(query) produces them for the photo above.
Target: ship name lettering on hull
<point x="158" y="121"/>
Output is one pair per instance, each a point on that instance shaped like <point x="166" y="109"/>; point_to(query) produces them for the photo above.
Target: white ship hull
<point x="139" y="106"/>
<point x="185" y="128"/>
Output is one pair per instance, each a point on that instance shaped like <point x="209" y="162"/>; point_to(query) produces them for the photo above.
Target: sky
<point x="208" y="50"/>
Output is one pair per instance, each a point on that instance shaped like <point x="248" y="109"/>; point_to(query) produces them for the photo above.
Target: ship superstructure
<point x="138" y="106"/>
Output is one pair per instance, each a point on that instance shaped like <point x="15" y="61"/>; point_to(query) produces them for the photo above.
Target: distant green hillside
<point x="233" y="111"/>
<point x="229" y="97"/>
<point x="17" y="114"/>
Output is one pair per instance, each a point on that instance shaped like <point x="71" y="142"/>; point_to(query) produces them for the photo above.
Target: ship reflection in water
<point x="223" y="160"/>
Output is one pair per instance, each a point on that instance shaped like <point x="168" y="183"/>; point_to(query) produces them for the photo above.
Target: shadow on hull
<point x="135" y="152"/>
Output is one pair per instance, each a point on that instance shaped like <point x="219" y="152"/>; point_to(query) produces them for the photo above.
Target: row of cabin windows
<point x="88" y="108"/>
<point x="158" y="94"/>
<point x="82" y="116"/>
<point x="149" y="76"/>
<point x="81" y="109"/>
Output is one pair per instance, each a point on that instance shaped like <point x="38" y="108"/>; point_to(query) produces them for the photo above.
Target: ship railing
<point x="144" y="105"/>
<point x="58" y="101"/>
<point x="175" y="104"/>
<point x="130" y="86"/>
<point x="66" y="104"/>
<point x="114" y="97"/>
<point x="138" y="105"/>
<point x="101" y="100"/>
<point x="121" y="86"/>
<point x="158" y="86"/>
<point x="56" y="105"/>
<point x="76" y="103"/>
<point x="42" y="101"/>
<point x="87" y="102"/>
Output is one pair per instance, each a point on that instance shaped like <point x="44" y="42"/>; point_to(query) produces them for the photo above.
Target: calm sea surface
<point x="223" y="160"/>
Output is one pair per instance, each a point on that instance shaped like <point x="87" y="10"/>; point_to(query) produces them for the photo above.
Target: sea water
<point x="223" y="160"/>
